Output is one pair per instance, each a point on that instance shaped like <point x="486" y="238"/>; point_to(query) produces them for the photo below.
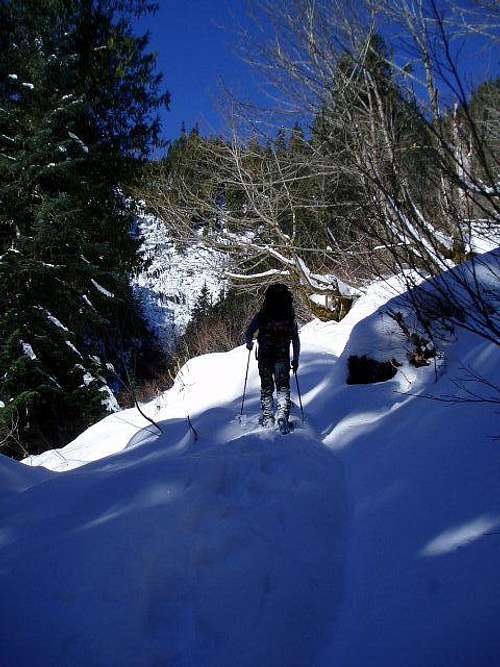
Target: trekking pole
<point x="300" y="397"/>
<point x="245" y="385"/>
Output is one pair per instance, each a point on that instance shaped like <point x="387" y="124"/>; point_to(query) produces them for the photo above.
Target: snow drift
<point x="368" y="536"/>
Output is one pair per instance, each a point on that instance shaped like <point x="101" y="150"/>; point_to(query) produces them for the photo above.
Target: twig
<point x="192" y="428"/>
<point x="131" y="387"/>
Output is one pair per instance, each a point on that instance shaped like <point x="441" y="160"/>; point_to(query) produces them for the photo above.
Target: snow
<point x="101" y="289"/>
<point x="52" y="378"/>
<point x="13" y="250"/>
<point x="109" y="401"/>
<point x="88" y="378"/>
<point x="483" y="236"/>
<point x="14" y="77"/>
<point x="320" y="299"/>
<point x="369" y="536"/>
<point x="87" y="301"/>
<point x="72" y="347"/>
<point x="28" y="85"/>
<point x="170" y="284"/>
<point x="82" y="145"/>
<point x="331" y="282"/>
<point x="253" y="276"/>
<point x="453" y="539"/>
<point x="28" y="350"/>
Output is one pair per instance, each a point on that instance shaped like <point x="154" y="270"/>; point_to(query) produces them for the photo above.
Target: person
<point x="277" y="328"/>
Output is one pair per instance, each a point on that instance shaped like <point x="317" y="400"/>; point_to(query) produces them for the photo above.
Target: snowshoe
<point x="284" y="426"/>
<point x="267" y="422"/>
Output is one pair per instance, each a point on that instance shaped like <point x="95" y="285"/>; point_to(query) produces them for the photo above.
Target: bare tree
<point x="428" y="199"/>
<point x="9" y="437"/>
<point x="250" y="203"/>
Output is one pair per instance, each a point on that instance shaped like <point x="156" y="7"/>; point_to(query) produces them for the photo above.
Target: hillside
<point x="169" y="282"/>
<point x="368" y="536"/>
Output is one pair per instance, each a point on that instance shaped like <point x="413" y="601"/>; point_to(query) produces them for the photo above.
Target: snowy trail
<point x="225" y="551"/>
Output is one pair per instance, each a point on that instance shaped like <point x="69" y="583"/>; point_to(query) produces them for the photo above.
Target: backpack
<point x="274" y="339"/>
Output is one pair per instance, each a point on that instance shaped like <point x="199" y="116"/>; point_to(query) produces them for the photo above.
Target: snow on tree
<point x="70" y="135"/>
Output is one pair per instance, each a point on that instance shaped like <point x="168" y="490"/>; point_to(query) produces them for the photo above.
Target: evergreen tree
<point x="203" y="306"/>
<point x="484" y="109"/>
<point x="297" y="140"/>
<point x="280" y="142"/>
<point x="344" y="126"/>
<point x="78" y="96"/>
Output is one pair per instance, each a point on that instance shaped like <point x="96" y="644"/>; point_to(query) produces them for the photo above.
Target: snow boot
<point x="267" y="421"/>
<point x="284" y="426"/>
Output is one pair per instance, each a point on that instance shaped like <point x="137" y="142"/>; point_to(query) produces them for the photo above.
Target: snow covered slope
<point x="170" y="284"/>
<point x="369" y="536"/>
<point x="221" y="552"/>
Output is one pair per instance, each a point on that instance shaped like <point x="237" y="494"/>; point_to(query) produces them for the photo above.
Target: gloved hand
<point x="294" y="364"/>
<point x="249" y="344"/>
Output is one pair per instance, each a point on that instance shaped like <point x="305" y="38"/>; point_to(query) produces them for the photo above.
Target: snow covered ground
<point x="369" y="536"/>
<point x="170" y="284"/>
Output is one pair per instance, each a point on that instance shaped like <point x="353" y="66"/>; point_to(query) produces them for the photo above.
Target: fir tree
<point x="484" y="109"/>
<point x="78" y="95"/>
<point x="203" y="306"/>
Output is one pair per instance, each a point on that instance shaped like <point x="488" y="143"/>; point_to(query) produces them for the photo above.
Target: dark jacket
<point x="274" y="338"/>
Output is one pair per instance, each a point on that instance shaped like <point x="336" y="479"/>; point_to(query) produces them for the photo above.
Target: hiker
<point x="277" y="327"/>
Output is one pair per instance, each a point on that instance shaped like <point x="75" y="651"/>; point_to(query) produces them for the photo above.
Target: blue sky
<point x="195" y="41"/>
<point x="196" y="45"/>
